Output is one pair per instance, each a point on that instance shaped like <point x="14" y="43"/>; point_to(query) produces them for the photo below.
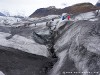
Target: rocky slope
<point x="46" y="11"/>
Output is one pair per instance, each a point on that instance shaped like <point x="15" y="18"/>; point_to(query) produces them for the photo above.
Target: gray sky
<point x="27" y="7"/>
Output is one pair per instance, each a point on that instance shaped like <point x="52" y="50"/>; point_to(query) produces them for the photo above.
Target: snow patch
<point x="1" y="73"/>
<point x="95" y="19"/>
<point x="85" y="16"/>
<point x="24" y="44"/>
<point x="8" y="20"/>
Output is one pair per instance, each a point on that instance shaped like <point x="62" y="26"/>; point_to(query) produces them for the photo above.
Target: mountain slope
<point x="45" y="12"/>
<point x="74" y="9"/>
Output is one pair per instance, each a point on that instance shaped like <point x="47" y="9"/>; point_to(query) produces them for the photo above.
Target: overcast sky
<point x="27" y="7"/>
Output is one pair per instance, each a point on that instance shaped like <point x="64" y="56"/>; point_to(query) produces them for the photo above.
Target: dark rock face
<point x="75" y="9"/>
<point x="16" y="62"/>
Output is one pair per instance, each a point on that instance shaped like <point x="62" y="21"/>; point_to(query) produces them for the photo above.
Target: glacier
<point x="76" y="42"/>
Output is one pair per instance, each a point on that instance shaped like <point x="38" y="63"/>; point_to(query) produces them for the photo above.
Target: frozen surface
<point x="22" y="43"/>
<point x="21" y="30"/>
<point x="76" y="40"/>
<point x="85" y="16"/>
<point x="81" y="44"/>
<point x="8" y="20"/>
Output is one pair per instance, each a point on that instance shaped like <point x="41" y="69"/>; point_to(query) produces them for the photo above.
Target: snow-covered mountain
<point x="1" y="14"/>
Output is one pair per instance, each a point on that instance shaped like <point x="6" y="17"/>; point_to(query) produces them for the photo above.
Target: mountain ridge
<point x="74" y="9"/>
